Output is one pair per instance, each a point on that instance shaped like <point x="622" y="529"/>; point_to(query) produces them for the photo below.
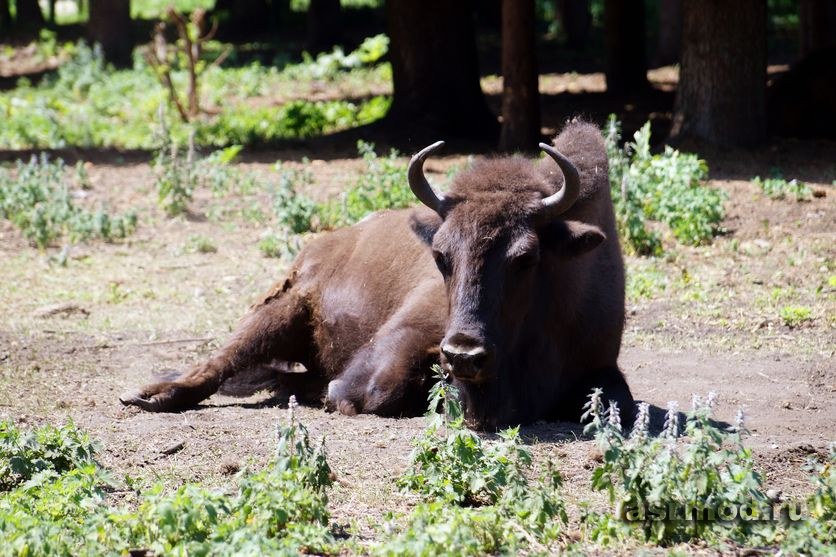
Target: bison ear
<point x="575" y="238"/>
<point x="425" y="224"/>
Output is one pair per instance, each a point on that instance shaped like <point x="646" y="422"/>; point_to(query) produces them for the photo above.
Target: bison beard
<point x="513" y="281"/>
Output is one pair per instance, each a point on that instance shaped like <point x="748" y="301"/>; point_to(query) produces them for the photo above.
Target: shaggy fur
<point x="365" y="309"/>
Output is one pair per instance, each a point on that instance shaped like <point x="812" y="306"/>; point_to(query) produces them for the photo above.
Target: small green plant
<point x="667" y="187"/>
<point x="382" y="186"/>
<point x="477" y="496"/>
<point x="24" y="454"/>
<point x="294" y="210"/>
<point x="283" y="245"/>
<point x="794" y="316"/>
<point x="62" y="508"/>
<point x="816" y="533"/>
<point x="778" y="188"/>
<point x="201" y="244"/>
<point x="36" y="198"/>
<point x="647" y="476"/>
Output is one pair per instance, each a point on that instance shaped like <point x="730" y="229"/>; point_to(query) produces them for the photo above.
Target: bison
<point x="512" y="281"/>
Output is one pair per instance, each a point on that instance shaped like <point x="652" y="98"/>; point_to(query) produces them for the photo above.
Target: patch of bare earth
<point x="700" y="319"/>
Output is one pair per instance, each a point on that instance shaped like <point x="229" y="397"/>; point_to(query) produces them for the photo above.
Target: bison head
<point x="499" y="238"/>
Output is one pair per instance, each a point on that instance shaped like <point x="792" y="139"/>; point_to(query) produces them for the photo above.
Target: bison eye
<point x="526" y="260"/>
<point x="442" y="262"/>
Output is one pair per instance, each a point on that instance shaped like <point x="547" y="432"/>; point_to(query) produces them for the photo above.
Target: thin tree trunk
<point x="817" y="24"/>
<point x="624" y="41"/>
<point x="722" y="82"/>
<point x="670" y="33"/>
<point x="110" y="26"/>
<point x="434" y="69"/>
<point x="5" y="15"/>
<point x="577" y="21"/>
<point x="323" y="25"/>
<point x="520" y="92"/>
<point x="29" y="14"/>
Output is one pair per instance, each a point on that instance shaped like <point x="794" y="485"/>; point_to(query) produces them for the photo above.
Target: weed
<point x="294" y="211"/>
<point x="794" y="316"/>
<point x="37" y="199"/>
<point x="666" y="187"/>
<point x="201" y="244"/>
<point x="382" y="186"/>
<point x="644" y="476"/>
<point x="816" y="534"/>
<point x="477" y="497"/>
<point x="24" y="454"/>
<point x="284" y="246"/>
<point x="62" y="508"/>
<point x="778" y="188"/>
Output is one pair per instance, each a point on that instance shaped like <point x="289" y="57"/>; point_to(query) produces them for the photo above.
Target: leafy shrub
<point x="816" y="533"/>
<point x="328" y="65"/>
<point x="24" y="454"/>
<point x="382" y="186"/>
<point x="179" y="175"/>
<point x="281" y="509"/>
<point x="294" y="211"/>
<point x="37" y="199"/>
<point x="478" y="498"/>
<point x="665" y="187"/>
<point x="778" y="188"/>
<point x="644" y="476"/>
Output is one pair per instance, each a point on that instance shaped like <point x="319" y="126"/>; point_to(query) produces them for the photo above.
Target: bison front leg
<point x="277" y="329"/>
<point x="391" y="375"/>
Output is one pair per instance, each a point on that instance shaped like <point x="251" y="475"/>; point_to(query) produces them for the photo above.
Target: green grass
<point x="88" y="104"/>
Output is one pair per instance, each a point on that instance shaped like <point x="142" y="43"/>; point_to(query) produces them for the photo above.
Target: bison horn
<point x="560" y="202"/>
<point x="418" y="182"/>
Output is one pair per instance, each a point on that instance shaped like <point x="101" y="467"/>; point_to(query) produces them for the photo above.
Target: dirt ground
<point x="699" y="319"/>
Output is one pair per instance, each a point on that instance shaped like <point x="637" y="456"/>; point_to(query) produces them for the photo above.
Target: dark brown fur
<point x="365" y="308"/>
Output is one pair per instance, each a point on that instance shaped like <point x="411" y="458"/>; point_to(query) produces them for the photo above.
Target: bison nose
<point x="467" y="357"/>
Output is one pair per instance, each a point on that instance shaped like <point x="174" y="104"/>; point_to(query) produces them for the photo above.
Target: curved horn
<point x="561" y="201"/>
<point x="418" y="182"/>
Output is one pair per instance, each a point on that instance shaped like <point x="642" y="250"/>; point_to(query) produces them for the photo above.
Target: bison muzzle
<point x="513" y="281"/>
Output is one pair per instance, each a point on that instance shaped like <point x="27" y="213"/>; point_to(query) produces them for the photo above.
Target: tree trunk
<point x="576" y="19"/>
<point x="29" y="15"/>
<point x="520" y="92"/>
<point x="624" y="41"/>
<point x="817" y="24"/>
<point x="434" y="69"/>
<point x="242" y="18"/>
<point x="670" y="33"/>
<point x="110" y="26"/>
<point x="722" y="80"/>
<point x="323" y="25"/>
<point x="5" y="15"/>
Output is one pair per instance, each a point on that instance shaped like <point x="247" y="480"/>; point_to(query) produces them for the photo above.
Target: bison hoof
<point x="156" y="398"/>
<point x="336" y="400"/>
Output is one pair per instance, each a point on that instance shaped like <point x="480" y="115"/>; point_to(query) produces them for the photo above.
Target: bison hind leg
<point x="282" y="379"/>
